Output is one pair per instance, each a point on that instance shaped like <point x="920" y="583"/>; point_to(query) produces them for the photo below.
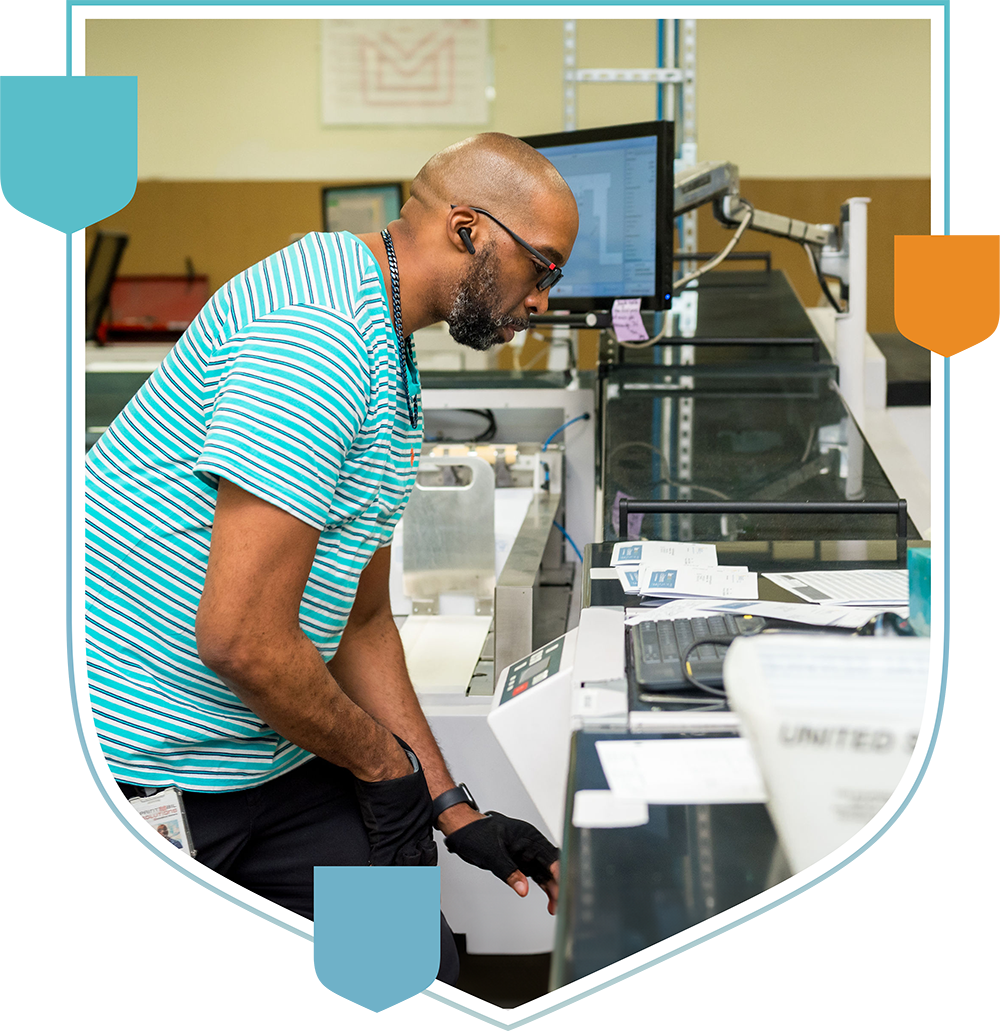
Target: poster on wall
<point x="405" y="72"/>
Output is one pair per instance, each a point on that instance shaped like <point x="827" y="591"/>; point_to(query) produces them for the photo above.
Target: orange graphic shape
<point x="947" y="290"/>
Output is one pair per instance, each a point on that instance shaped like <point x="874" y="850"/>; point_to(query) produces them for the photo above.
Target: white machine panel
<point x="477" y="904"/>
<point x="542" y="697"/>
<point x="530" y="718"/>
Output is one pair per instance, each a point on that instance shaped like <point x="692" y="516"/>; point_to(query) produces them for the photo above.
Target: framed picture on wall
<point x="406" y="71"/>
<point x="361" y="209"/>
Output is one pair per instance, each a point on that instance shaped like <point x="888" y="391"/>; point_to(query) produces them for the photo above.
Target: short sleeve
<point x="383" y="538"/>
<point x="290" y="403"/>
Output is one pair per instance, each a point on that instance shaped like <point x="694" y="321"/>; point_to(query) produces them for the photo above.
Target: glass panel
<point x="776" y="433"/>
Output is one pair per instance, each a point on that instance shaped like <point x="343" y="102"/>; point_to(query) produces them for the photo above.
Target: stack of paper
<point x="678" y="608"/>
<point x="656" y="581"/>
<point x="673" y="569"/>
<point x="442" y="652"/>
<point x="880" y="587"/>
<point x="718" y="770"/>
<point x="852" y="616"/>
<point x="684" y="553"/>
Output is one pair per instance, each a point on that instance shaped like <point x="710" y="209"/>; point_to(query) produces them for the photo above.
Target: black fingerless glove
<point x="503" y="845"/>
<point x="397" y="816"/>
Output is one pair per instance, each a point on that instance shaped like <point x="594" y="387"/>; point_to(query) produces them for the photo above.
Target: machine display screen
<point x="539" y="666"/>
<point x="536" y="668"/>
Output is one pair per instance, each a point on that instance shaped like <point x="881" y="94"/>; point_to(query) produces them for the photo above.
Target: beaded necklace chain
<point x="404" y="345"/>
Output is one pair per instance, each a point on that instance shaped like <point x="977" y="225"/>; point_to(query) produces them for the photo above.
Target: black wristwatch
<point x="453" y="796"/>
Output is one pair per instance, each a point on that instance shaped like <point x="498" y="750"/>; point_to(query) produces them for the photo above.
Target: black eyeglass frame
<point x="553" y="273"/>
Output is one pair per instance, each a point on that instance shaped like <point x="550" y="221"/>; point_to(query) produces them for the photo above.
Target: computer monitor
<point x="623" y="180"/>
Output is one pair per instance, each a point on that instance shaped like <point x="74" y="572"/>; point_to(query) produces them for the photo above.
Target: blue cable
<point x="562" y="530"/>
<point x="570" y="539"/>
<point x="586" y="415"/>
<point x="660" y="41"/>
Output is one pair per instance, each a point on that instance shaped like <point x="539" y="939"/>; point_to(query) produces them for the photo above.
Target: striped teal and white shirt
<point x="289" y="385"/>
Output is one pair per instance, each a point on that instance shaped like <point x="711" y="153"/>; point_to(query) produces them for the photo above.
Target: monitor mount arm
<point x="830" y="249"/>
<point x="719" y="182"/>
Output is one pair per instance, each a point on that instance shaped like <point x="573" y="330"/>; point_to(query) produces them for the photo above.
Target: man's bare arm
<point x="371" y="668"/>
<point x="248" y="632"/>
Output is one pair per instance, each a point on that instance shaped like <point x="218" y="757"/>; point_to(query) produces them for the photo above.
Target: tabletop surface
<point x="629" y="888"/>
<point x="747" y="306"/>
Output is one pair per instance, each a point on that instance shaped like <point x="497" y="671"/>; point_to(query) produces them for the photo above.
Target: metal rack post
<point x="670" y="75"/>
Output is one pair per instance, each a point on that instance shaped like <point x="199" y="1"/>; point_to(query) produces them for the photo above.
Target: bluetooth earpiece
<point x="466" y="237"/>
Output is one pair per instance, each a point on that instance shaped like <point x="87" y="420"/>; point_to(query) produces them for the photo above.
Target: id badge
<point x="164" y="812"/>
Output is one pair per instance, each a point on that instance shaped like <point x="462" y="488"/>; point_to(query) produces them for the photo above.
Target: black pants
<point x="269" y="838"/>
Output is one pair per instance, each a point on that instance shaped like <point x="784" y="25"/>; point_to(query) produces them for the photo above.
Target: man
<point x="164" y="831"/>
<point x="240" y="641"/>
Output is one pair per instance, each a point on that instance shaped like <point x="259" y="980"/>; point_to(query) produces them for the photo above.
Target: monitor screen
<point x="622" y="178"/>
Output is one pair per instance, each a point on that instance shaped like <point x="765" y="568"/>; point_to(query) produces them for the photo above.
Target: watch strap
<point x="453" y="796"/>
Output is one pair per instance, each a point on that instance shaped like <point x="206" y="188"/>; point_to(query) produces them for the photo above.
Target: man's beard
<point x="476" y="319"/>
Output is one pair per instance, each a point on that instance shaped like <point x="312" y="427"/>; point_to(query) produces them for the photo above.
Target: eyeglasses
<point x="552" y="274"/>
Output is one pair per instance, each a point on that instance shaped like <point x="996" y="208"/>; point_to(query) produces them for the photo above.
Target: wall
<point x="816" y="99"/>
<point x="898" y="207"/>
<point x="232" y="154"/>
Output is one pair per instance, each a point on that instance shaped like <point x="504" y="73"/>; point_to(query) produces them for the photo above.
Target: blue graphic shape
<point x="68" y="146"/>
<point x="663" y="578"/>
<point x="40" y="708"/>
<point x="377" y="933"/>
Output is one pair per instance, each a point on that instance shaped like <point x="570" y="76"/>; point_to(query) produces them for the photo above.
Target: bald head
<point x="490" y="170"/>
<point x="487" y="220"/>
